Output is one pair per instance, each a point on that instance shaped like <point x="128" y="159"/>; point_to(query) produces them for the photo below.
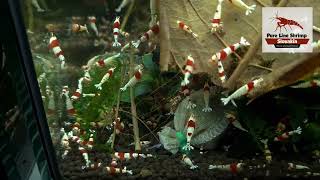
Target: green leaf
<point x="148" y="63"/>
<point x="147" y="78"/>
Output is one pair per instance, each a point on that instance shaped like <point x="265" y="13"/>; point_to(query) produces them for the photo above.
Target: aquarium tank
<point x="179" y="89"/>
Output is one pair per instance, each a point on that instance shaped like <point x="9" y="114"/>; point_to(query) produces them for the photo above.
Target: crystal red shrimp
<point x="283" y="22"/>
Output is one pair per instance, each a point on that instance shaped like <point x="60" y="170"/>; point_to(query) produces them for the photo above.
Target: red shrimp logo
<point x="287" y="29"/>
<point x="283" y="22"/>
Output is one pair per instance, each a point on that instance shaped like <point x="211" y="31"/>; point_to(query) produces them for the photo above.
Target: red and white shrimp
<point x="130" y="155"/>
<point x="64" y="143"/>
<point x="105" y="78"/>
<point x="112" y="170"/>
<point x="75" y="129"/>
<point x="186" y="28"/>
<point x="55" y="46"/>
<point x="233" y="168"/>
<point x="108" y="61"/>
<point x="42" y="77"/>
<point x="233" y="120"/>
<point x="188" y="162"/>
<point x="85" y="156"/>
<point x="292" y="166"/>
<point x="308" y="84"/>
<point x="221" y="72"/>
<point x="216" y="21"/>
<point x="76" y="139"/>
<point x="191" y="125"/>
<point x="114" y="162"/>
<point x="97" y="124"/>
<point x="242" y="91"/>
<point x="312" y="174"/>
<point x="286" y="135"/>
<point x="153" y="31"/>
<point x="188" y="70"/>
<point x="86" y="75"/>
<point x="206" y="97"/>
<point x="244" y="6"/>
<point x="134" y="80"/>
<point x="124" y="33"/>
<point x="76" y="95"/>
<point x="79" y="28"/>
<point x="116" y="30"/>
<point x="224" y="53"/>
<point x="90" y="142"/>
<point x="118" y="125"/>
<point x="92" y="22"/>
<point x="95" y="165"/>
<point x="186" y="92"/>
<point x="70" y="109"/>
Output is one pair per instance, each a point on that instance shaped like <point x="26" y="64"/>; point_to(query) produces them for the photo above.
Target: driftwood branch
<point x="164" y="40"/>
<point x="232" y="81"/>
<point x="286" y="75"/>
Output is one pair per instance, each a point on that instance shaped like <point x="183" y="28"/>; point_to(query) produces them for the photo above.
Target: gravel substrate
<point x="167" y="166"/>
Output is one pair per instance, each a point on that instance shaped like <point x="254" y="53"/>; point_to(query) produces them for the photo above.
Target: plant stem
<point x="118" y="105"/>
<point x="126" y="17"/>
<point x="29" y="14"/>
<point x="137" y="145"/>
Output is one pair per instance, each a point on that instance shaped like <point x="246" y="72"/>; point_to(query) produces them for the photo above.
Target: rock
<point x="209" y="125"/>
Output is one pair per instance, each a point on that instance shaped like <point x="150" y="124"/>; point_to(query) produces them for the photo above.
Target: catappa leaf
<point x="176" y="45"/>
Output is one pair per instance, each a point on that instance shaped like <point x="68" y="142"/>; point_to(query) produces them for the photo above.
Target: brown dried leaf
<point x="197" y="15"/>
